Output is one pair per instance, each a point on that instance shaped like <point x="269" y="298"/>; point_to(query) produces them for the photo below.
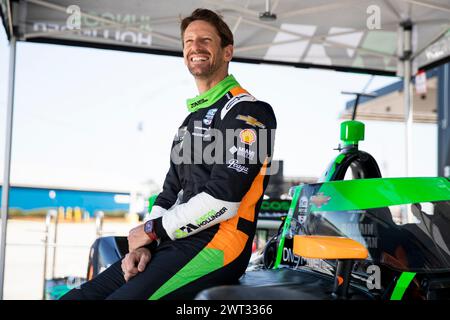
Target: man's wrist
<point x="149" y="229"/>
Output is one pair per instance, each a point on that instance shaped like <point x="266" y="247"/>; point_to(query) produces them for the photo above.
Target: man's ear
<point x="229" y="49"/>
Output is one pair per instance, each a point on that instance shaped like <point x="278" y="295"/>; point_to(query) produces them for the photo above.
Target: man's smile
<point x="198" y="58"/>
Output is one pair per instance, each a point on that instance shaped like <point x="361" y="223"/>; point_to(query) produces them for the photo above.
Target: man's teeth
<point x="195" y="59"/>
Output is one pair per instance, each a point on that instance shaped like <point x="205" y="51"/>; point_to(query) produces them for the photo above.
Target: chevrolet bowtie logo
<point x="251" y="121"/>
<point x="320" y="199"/>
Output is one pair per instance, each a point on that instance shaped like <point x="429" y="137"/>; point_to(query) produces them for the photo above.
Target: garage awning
<point x="350" y="35"/>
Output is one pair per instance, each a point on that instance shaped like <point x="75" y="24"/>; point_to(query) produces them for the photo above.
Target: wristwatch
<point x="149" y="229"/>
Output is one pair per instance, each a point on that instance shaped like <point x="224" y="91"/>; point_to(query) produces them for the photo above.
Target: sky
<point x="99" y="119"/>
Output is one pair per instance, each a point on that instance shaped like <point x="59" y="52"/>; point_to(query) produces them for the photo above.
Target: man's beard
<point x="203" y="71"/>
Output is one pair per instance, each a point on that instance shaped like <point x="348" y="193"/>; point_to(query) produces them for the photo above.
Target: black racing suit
<point x="206" y="215"/>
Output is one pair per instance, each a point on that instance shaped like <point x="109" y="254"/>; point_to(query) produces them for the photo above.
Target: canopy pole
<point x="407" y="94"/>
<point x="408" y="106"/>
<point x="7" y="163"/>
<point x="408" y="103"/>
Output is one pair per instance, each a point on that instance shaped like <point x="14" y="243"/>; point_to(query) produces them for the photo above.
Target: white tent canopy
<point x="385" y="37"/>
<point x="346" y="34"/>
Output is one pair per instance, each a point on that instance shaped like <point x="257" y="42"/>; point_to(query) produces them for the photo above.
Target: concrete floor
<point x="24" y="269"/>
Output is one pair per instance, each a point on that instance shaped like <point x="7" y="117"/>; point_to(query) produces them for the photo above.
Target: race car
<point x="367" y="238"/>
<point x="343" y="240"/>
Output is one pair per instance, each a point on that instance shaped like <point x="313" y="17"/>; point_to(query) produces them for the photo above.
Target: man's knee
<point x="74" y="294"/>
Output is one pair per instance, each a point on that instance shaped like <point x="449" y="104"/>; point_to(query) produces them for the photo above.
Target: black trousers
<point x="177" y="270"/>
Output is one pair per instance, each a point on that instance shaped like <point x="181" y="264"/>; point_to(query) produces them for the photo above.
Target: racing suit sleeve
<point x="168" y="196"/>
<point x="171" y="187"/>
<point x="247" y="131"/>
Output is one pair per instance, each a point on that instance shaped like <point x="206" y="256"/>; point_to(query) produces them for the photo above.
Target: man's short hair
<point x="226" y="36"/>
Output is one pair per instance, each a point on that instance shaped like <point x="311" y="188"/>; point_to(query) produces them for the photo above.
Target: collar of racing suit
<point x="210" y="97"/>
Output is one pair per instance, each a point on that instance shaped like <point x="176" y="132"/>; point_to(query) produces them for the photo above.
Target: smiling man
<point x="200" y="230"/>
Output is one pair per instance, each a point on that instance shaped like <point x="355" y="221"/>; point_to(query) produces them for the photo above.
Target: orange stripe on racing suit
<point x="237" y="90"/>
<point x="229" y="239"/>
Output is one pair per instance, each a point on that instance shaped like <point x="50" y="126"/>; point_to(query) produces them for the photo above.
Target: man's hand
<point x="135" y="262"/>
<point x="137" y="238"/>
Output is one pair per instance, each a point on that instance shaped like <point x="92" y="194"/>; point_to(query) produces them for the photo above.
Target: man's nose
<point x="197" y="45"/>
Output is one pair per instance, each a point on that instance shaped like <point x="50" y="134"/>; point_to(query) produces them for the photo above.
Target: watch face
<point x="148" y="227"/>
